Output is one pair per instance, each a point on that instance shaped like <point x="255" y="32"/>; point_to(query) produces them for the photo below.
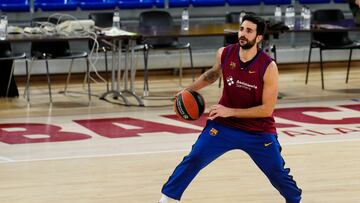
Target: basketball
<point x="189" y="105"/>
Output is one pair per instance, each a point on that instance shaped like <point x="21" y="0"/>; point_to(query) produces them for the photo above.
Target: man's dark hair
<point x="260" y="23"/>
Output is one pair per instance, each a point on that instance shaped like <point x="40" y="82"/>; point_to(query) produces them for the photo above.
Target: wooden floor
<point x="131" y="168"/>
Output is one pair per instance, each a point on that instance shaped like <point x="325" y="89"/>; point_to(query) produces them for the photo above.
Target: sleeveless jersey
<point x="243" y="88"/>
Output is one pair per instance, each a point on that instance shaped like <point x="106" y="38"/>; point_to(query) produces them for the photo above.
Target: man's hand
<point x="219" y="110"/>
<point x="357" y="2"/>
<point x="179" y="92"/>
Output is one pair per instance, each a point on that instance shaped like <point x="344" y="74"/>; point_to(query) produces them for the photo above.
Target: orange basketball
<point x="189" y="105"/>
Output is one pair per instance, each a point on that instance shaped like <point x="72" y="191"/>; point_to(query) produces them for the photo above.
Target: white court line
<point x="152" y="152"/>
<point x="5" y="159"/>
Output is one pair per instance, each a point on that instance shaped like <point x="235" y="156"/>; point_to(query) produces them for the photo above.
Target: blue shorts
<point x="215" y="140"/>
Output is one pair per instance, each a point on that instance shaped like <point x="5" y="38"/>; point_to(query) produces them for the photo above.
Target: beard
<point x="248" y="44"/>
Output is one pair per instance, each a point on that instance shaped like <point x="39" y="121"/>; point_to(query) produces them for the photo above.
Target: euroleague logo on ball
<point x="189" y="105"/>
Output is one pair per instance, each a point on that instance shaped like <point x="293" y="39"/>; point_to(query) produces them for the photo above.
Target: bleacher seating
<point x="14" y="5"/>
<point x="66" y="5"/>
<point x="55" y="5"/>
<point x="172" y="3"/>
<point x="97" y="4"/>
<point x="204" y="3"/>
<point x="340" y="1"/>
<point x="243" y="2"/>
<point x="314" y="1"/>
<point x="276" y="2"/>
<point x="132" y="4"/>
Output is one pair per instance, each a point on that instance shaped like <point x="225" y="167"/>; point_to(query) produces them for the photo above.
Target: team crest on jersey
<point x="213" y="132"/>
<point x="230" y="80"/>
<point x="232" y="65"/>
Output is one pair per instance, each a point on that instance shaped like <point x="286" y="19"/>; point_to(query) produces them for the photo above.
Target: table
<point x="115" y="90"/>
<point x="195" y="30"/>
<point x="115" y="75"/>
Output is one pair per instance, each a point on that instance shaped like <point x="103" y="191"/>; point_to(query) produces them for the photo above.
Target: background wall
<point x="291" y="47"/>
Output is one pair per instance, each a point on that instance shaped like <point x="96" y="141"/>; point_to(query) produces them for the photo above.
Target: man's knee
<point x="196" y="157"/>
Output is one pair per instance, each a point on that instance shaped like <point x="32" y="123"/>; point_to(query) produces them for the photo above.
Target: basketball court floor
<point x="107" y="152"/>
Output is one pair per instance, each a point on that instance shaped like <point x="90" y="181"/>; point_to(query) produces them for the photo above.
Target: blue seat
<point x="276" y="2"/>
<point x="14" y="5"/>
<point x="97" y="4"/>
<point x="340" y="1"/>
<point x="173" y="3"/>
<point x="314" y="1"/>
<point x="133" y="4"/>
<point x="200" y="3"/>
<point x="243" y="2"/>
<point x="55" y="5"/>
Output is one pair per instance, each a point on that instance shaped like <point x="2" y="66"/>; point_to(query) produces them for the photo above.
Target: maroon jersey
<point x="243" y="88"/>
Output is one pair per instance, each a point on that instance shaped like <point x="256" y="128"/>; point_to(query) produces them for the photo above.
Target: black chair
<point x="8" y="57"/>
<point x="232" y="38"/>
<point x="104" y="20"/>
<point x="331" y="40"/>
<point x="160" y="20"/>
<point x="231" y="17"/>
<point x="59" y="49"/>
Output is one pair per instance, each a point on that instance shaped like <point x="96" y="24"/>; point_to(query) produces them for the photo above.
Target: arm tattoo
<point x="211" y="76"/>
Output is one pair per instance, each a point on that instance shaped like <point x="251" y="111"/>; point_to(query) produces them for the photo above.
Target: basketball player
<point x="243" y="118"/>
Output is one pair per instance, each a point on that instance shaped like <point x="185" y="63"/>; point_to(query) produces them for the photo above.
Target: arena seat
<point x="55" y="5"/>
<point x="243" y="2"/>
<point x="133" y="4"/>
<point x="172" y="3"/>
<point x="14" y="5"/>
<point x="314" y="1"/>
<point x="204" y="3"/>
<point x="97" y="4"/>
<point x="276" y="2"/>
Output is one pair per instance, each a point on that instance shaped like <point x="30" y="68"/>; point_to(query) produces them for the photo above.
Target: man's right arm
<point x="210" y="76"/>
<point x="354" y="4"/>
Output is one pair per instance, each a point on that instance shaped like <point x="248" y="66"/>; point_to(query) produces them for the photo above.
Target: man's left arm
<point x="269" y="98"/>
<point x="357" y="2"/>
